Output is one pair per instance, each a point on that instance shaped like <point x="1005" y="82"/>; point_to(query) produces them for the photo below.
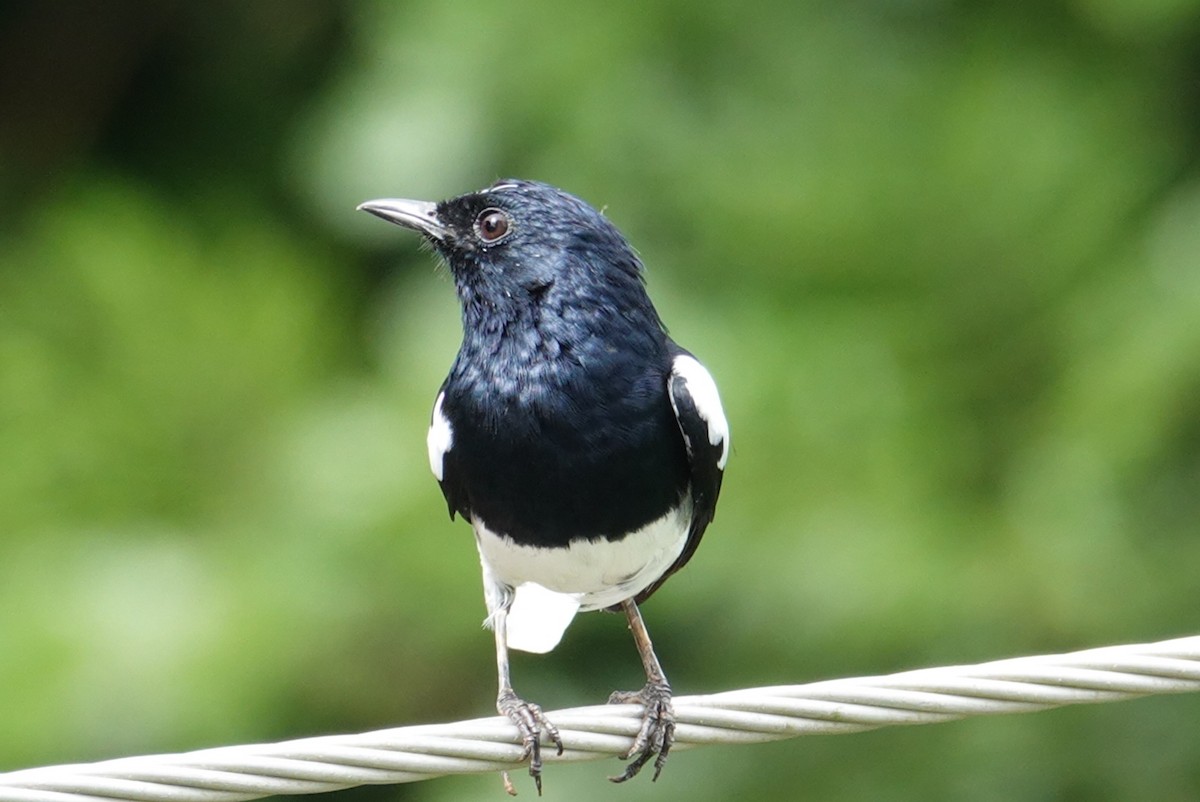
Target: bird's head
<point x="518" y="243"/>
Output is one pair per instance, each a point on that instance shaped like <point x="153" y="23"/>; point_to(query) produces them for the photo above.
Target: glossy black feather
<point x="559" y="398"/>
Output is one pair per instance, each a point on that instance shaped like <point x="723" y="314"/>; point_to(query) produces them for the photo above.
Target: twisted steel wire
<point x="408" y="754"/>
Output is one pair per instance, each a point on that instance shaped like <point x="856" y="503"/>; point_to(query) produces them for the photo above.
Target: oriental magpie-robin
<point x="585" y="448"/>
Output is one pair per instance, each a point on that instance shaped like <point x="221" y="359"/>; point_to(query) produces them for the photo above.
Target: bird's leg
<point x="658" y="721"/>
<point x="528" y="717"/>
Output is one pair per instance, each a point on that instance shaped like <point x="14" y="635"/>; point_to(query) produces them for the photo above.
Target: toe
<point x="656" y="734"/>
<point x="531" y="723"/>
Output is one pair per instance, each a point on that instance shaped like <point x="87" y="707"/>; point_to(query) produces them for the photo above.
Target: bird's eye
<point x="492" y="225"/>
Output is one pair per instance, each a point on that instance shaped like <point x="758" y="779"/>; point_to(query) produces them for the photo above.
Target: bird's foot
<point x="531" y="723"/>
<point x="657" y="732"/>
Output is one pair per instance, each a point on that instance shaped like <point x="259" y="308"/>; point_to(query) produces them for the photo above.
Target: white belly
<point x="544" y="587"/>
<point x="599" y="573"/>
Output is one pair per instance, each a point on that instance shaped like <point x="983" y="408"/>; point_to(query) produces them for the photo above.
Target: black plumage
<point x="583" y="445"/>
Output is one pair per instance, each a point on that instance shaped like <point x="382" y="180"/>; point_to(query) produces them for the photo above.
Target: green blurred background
<point x="943" y="258"/>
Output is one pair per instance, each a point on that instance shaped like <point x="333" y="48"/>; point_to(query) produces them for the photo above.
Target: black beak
<point x="418" y="215"/>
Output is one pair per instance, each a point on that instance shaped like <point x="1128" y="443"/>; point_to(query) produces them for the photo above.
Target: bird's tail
<point x="538" y="617"/>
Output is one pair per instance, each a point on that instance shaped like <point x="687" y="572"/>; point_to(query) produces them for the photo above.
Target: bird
<point x="585" y="447"/>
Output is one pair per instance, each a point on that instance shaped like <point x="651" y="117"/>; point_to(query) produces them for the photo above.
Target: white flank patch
<point x="703" y="389"/>
<point x="552" y="584"/>
<point x="439" y="439"/>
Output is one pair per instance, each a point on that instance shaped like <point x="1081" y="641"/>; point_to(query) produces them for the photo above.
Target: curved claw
<point x="531" y="723"/>
<point x="657" y="732"/>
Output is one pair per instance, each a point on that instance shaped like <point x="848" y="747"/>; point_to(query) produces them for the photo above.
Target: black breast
<point x="582" y="443"/>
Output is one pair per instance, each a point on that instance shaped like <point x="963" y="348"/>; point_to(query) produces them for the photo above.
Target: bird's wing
<point x="442" y="461"/>
<point x="697" y="406"/>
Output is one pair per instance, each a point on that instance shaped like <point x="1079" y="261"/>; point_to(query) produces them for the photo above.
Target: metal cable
<point x="407" y="754"/>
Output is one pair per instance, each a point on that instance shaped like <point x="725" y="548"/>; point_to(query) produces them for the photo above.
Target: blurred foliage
<point x="943" y="257"/>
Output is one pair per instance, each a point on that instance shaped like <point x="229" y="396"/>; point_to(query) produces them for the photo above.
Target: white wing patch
<point x="439" y="439"/>
<point x="703" y="389"/>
